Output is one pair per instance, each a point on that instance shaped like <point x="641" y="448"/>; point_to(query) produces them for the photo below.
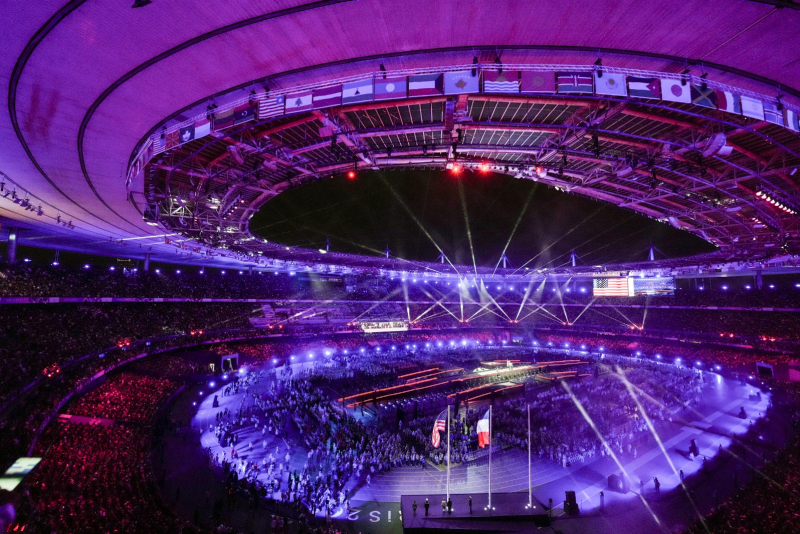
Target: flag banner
<point x="644" y="87"/>
<point x="173" y="139"/>
<point x="537" y="82"/>
<point x="612" y="287"/>
<point x="676" y="91"/>
<point x="425" y="85"/>
<point x="610" y="84"/>
<point x="159" y="145"/>
<point x="300" y="101"/>
<point x="457" y="83"/>
<point x="727" y="101"/>
<point x="706" y="98"/>
<point x="791" y="120"/>
<point x="484" y="438"/>
<point x="271" y="106"/>
<point x="752" y="107"/>
<point x="440" y="425"/>
<point x="202" y="128"/>
<point x="501" y="82"/>
<point x="223" y="119"/>
<point x="390" y="88"/>
<point x="773" y="114"/>
<point x="187" y="134"/>
<point x="358" y="91"/>
<point x="328" y="97"/>
<point x="574" y="82"/>
<point x="244" y="113"/>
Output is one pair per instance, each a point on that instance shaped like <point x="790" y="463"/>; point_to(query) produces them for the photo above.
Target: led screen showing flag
<point x="773" y="114"/>
<point x="202" y="128"/>
<point x="676" y="91"/>
<point x="426" y="85"/>
<point x="752" y="107"/>
<point x="574" y="82"/>
<point x="612" y="287"/>
<point x="187" y="133"/>
<point x="299" y="101"/>
<point x="223" y="119"/>
<point x="358" y="91"/>
<point x="271" y="106"/>
<point x="484" y="438"/>
<point x="728" y="101"/>
<point x="390" y="88"/>
<point x="327" y="97"/>
<point x="244" y="113"/>
<point x="610" y="84"/>
<point x="501" y="82"/>
<point x="644" y="87"/>
<point x="440" y="425"/>
<point x="537" y="82"/>
<point x="791" y="120"/>
<point x="456" y="83"/>
<point x="661" y="285"/>
<point x="704" y="96"/>
<point x="173" y="139"/>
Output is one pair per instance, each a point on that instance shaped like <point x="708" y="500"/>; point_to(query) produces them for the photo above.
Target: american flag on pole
<point x="610" y="287"/>
<point x="440" y="425"/>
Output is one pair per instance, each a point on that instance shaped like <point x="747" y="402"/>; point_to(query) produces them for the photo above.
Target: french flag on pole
<point x="483" y="431"/>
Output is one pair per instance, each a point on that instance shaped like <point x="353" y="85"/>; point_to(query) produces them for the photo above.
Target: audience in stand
<point x="124" y="397"/>
<point x="769" y="503"/>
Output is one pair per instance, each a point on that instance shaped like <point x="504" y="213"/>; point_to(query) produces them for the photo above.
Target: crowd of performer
<point x="334" y="450"/>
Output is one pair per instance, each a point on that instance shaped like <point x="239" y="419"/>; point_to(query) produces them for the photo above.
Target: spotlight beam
<point x="652" y="429"/>
<point x="514" y="230"/>
<point x="609" y="449"/>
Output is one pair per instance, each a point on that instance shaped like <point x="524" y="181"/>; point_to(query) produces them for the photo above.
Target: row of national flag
<point x="484" y="435"/>
<point x="381" y="88"/>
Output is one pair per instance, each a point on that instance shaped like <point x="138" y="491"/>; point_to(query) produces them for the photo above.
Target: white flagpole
<point x="448" y="452"/>
<point x="530" y="494"/>
<point x="491" y="443"/>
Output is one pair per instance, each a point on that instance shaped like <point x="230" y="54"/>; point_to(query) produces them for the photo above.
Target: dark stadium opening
<point x="472" y="216"/>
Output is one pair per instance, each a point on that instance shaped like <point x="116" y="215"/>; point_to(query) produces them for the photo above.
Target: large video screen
<point x="653" y="286"/>
<point x="632" y="286"/>
<point x="612" y="287"/>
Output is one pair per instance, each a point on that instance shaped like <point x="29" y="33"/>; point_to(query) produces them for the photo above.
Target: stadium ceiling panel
<point x="96" y="94"/>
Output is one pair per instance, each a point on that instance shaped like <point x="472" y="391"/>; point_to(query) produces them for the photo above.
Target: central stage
<point x="510" y="513"/>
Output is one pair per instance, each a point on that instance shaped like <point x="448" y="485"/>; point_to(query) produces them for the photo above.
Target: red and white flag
<point x="484" y="438"/>
<point x="440" y="425"/>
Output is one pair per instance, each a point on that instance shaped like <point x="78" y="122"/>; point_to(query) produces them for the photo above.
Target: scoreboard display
<point x="632" y="286"/>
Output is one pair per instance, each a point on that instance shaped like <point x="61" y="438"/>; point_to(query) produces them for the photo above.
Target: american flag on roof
<point x="440" y="425"/>
<point x="159" y="145"/>
<point x="270" y="106"/>
<point x="611" y="287"/>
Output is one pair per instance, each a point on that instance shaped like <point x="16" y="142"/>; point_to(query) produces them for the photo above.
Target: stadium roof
<point x="91" y="87"/>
